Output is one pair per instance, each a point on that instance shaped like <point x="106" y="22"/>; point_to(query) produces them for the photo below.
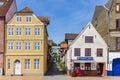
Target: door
<point x="116" y="67"/>
<point x="17" y="67"/>
<point x="100" y="68"/>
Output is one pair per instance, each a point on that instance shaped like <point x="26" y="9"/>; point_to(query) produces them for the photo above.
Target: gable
<point x="34" y="19"/>
<point x="89" y="30"/>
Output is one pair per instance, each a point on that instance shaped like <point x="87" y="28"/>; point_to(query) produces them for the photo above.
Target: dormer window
<point x="19" y="19"/>
<point x="118" y="7"/>
<point x="28" y="19"/>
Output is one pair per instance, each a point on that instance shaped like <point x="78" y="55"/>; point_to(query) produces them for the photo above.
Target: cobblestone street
<point x="55" y="74"/>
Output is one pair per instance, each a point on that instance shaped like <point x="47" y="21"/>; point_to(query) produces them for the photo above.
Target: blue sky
<point x="66" y="16"/>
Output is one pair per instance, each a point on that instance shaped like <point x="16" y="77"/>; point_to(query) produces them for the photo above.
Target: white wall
<point x="112" y="55"/>
<point x="98" y="42"/>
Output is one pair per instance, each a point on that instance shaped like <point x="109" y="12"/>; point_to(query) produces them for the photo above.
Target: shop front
<point x="87" y="67"/>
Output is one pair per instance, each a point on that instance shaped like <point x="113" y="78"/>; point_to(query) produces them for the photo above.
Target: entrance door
<point x="116" y="67"/>
<point x="100" y="68"/>
<point x="17" y="67"/>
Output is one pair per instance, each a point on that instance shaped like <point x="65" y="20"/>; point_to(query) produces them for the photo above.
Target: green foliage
<point x="54" y="44"/>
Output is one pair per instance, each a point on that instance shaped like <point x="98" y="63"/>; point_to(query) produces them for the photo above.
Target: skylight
<point x="1" y="3"/>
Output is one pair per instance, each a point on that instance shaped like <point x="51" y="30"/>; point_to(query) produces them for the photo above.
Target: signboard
<point x="84" y="58"/>
<point x="1" y="71"/>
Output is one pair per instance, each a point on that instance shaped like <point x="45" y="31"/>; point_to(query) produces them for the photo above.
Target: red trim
<point x="99" y="52"/>
<point x="87" y="51"/>
<point x="77" y="51"/>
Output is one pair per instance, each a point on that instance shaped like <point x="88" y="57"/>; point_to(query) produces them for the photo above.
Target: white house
<point x="88" y="52"/>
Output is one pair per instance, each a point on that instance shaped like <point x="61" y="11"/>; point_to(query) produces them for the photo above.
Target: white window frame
<point x="28" y="31"/>
<point x="10" y="45"/>
<point x="27" y="64"/>
<point x="36" y="45"/>
<point x="18" y="45"/>
<point x="18" y="31"/>
<point x="28" y="19"/>
<point x="36" y="63"/>
<point x="37" y="31"/>
<point x="27" y="45"/>
<point x="9" y="64"/>
<point x="10" y="31"/>
<point x="19" y="19"/>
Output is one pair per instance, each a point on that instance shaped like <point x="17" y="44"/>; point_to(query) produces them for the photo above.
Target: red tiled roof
<point x="70" y="36"/>
<point x="5" y="7"/>
<point x="44" y="19"/>
<point x="25" y="10"/>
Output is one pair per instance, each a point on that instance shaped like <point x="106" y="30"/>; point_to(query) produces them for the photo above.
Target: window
<point x="8" y="63"/>
<point x="37" y="31"/>
<point x="36" y="64"/>
<point x="77" y="52"/>
<point x="10" y="31"/>
<point x="19" y="18"/>
<point x="87" y="66"/>
<point x="99" y="52"/>
<point x="18" y="45"/>
<point x="87" y="51"/>
<point x="117" y="23"/>
<point x="88" y="39"/>
<point x="118" y="43"/>
<point x="18" y="31"/>
<point x="27" y="63"/>
<point x="27" y="31"/>
<point x="27" y="45"/>
<point x="37" y="46"/>
<point x="28" y="19"/>
<point x="118" y="7"/>
<point x="1" y="3"/>
<point x="10" y="45"/>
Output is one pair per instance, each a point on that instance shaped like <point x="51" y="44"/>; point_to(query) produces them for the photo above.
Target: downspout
<point x="108" y="33"/>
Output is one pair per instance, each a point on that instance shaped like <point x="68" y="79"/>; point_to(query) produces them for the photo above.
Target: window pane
<point x="117" y="43"/>
<point x="87" y="51"/>
<point x="88" y="39"/>
<point x="27" y="63"/>
<point x="77" y="52"/>
<point x="99" y="52"/>
<point x="8" y="63"/>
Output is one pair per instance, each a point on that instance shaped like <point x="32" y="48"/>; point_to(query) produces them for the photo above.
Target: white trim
<point x="25" y="25"/>
<point x="22" y="54"/>
<point x="28" y="17"/>
<point x="38" y="19"/>
<point x="24" y="39"/>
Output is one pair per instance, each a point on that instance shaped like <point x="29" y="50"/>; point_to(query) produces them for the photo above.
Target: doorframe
<point x="14" y="66"/>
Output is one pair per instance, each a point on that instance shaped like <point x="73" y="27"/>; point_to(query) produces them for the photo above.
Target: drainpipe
<point x="108" y="33"/>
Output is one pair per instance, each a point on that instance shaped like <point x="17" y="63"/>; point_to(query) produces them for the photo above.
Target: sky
<point x="66" y="16"/>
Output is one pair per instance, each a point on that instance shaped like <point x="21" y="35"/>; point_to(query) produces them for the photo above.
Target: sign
<point x="84" y="58"/>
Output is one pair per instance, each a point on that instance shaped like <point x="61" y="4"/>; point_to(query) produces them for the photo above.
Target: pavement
<point x="55" y="74"/>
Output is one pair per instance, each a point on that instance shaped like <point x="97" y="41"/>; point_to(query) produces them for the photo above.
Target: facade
<point x="7" y="10"/>
<point x="88" y="53"/>
<point x="107" y="21"/>
<point x="26" y="41"/>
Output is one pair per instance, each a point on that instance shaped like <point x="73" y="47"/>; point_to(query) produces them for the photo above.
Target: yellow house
<point x="26" y="44"/>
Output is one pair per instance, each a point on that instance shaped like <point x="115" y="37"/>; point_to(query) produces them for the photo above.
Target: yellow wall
<point x="25" y="54"/>
<point x="22" y="59"/>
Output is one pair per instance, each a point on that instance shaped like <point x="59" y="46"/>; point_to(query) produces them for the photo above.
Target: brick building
<point x="7" y="10"/>
<point x="106" y="20"/>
